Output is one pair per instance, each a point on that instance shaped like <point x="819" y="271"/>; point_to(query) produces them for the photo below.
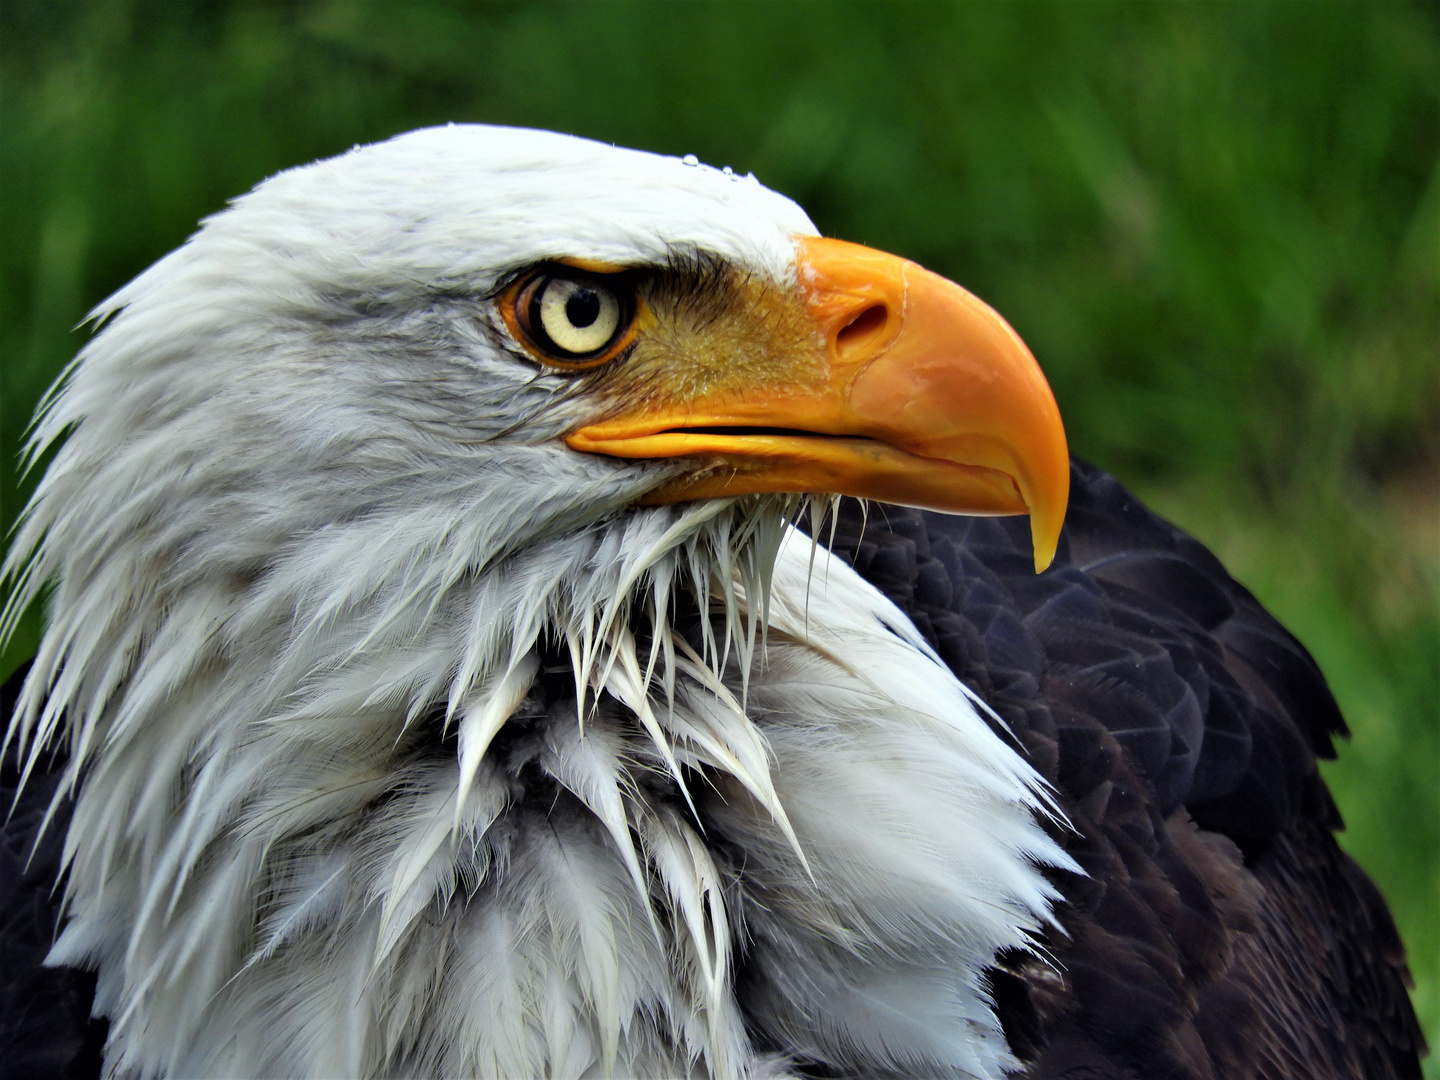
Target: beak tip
<point x="1047" y="517"/>
<point x="1044" y="556"/>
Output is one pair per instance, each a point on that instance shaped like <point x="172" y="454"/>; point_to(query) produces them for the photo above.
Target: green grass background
<point x="1218" y="227"/>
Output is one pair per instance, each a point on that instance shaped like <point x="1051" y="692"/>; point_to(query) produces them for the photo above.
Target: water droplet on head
<point x="728" y="171"/>
<point x="690" y="159"/>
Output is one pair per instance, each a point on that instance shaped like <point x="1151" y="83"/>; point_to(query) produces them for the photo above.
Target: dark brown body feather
<point x="45" y="1026"/>
<point x="1220" y="932"/>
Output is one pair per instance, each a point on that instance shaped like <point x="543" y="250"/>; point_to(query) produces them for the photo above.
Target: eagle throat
<point x="545" y="817"/>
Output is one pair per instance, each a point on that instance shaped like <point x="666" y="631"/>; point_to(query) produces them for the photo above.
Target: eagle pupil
<point x="582" y="308"/>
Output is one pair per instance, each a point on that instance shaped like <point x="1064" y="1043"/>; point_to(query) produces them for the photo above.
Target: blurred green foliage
<point x="1217" y="226"/>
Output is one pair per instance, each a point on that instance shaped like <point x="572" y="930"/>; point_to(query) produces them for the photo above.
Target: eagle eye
<point x="571" y="317"/>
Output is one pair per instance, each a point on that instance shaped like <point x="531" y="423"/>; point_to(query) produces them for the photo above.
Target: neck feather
<point x="517" y="814"/>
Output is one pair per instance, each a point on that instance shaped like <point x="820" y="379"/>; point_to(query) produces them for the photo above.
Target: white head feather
<point x="320" y="565"/>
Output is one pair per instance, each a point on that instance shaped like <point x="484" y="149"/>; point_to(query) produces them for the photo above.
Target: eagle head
<point x="446" y="687"/>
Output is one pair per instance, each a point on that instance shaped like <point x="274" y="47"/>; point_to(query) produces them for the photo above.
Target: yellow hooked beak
<point x="912" y="391"/>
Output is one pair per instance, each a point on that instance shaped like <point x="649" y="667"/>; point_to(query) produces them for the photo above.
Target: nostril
<point x="862" y="329"/>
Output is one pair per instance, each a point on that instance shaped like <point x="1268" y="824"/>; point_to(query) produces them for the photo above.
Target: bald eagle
<point x="508" y="616"/>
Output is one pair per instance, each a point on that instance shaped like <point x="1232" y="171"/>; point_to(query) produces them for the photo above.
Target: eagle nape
<point x="523" y="607"/>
